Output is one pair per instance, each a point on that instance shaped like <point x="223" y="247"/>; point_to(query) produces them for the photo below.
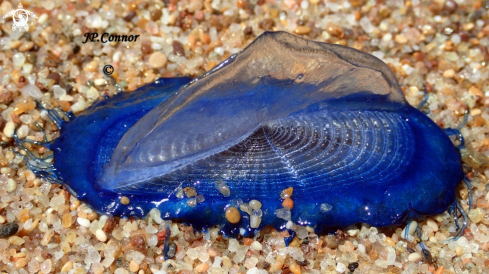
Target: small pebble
<point x="66" y="220"/>
<point x="226" y="262"/>
<point x="83" y="222"/>
<point x="476" y="91"/>
<point x="20" y="263"/>
<point x="255" y="221"/>
<point x="55" y="76"/>
<point x="256" y="245"/>
<point x="325" y="207"/>
<point x="390" y="242"/>
<point x="283" y="213"/>
<point x="245" y="208"/>
<point x="412" y="228"/>
<point x="247" y="241"/>
<point x="199" y="15"/>
<point x="190" y="192"/>
<point x="199" y="198"/>
<point x="101" y="236"/>
<point x="9" y="129"/>
<point x="46" y="266"/>
<point x="192" y="202"/>
<point x="432" y="224"/>
<point x="476" y="215"/>
<point x="11" y="184"/>
<point x="352" y="266"/>
<point x="295" y="268"/>
<point x="449" y="73"/>
<point x="223" y="188"/>
<point x="155" y="14"/>
<point x="459" y="251"/>
<point x="100" y="82"/>
<point x="475" y="112"/>
<point x="172" y="250"/>
<point x="479" y="121"/>
<point x="414" y="257"/>
<point x="340" y="267"/>
<point x="203" y="267"/>
<point x="286" y="193"/>
<point x="125" y="200"/>
<point x="178" y="48"/>
<point x="26" y="46"/>
<point x="155" y="214"/>
<point x="232" y="215"/>
<point x="8" y="230"/>
<point x="16" y="240"/>
<point x="31" y="90"/>
<point x="157" y="60"/>
<point x="288" y="203"/>
<point x="302" y="30"/>
<point x="58" y="91"/>
<point x="400" y="39"/>
<point x="254" y="204"/>
<point x="18" y="59"/>
<point x="352" y="232"/>
<point x="250" y="262"/>
<point x="334" y="29"/>
<point x="150" y="229"/>
<point x="133" y="266"/>
<point x="91" y="66"/>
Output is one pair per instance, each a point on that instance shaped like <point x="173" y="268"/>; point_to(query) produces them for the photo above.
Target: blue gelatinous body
<point x="329" y="121"/>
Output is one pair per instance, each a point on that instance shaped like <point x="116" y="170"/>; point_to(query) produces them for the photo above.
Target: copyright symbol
<point x="108" y="70"/>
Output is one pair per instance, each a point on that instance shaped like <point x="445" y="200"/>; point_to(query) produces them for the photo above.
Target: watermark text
<point x="106" y="37"/>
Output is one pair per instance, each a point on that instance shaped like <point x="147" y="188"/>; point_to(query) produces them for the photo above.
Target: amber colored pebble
<point x="463" y="193"/>
<point x="15" y="76"/>
<point x="92" y="216"/>
<point x="240" y="4"/>
<point x="133" y="266"/>
<point x="20" y="263"/>
<point x="24" y="232"/>
<point x="302" y="30"/>
<point x="142" y="23"/>
<point x="296" y="242"/>
<point x="476" y="92"/>
<point x="390" y="242"/>
<point x="24" y="106"/>
<point x="205" y="38"/>
<point x="24" y="215"/>
<point x="288" y="203"/>
<point x="373" y="254"/>
<point x="75" y="205"/>
<point x="247" y="241"/>
<point x="439" y="270"/>
<point x="67" y="220"/>
<point x="295" y="268"/>
<point x="203" y="267"/>
<point x="125" y="200"/>
<point x="479" y="121"/>
<point x="232" y="215"/>
<point x="485" y="142"/>
<point x="67" y="267"/>
<point x="65" y="106"/>
<point x="209" y="65"/>
<point x="334" y="30"/>
<point x="286" y="193"/>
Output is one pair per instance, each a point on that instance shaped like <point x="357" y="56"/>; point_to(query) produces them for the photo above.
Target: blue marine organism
<point x="329" y="121"/>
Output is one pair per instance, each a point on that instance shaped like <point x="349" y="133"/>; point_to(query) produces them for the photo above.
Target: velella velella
<point x="328" y="121"/>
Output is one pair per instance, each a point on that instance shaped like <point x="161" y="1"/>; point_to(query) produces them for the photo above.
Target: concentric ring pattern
<point x="312" y="151"/>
